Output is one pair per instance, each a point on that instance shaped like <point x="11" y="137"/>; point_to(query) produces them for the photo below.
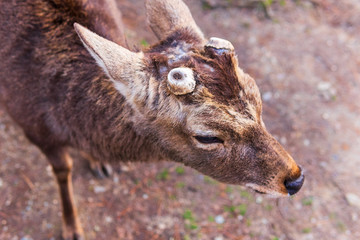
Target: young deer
<point x="184" y="99"/>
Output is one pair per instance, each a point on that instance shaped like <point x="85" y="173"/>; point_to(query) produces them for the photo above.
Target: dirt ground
<point x="306" y="60"/>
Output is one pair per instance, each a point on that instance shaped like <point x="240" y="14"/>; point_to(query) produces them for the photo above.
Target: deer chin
<point x="267" y="191"/>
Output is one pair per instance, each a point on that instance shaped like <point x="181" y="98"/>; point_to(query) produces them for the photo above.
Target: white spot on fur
<point x="179" y="52"/>
<point x="163" y="69"/>
<point x="209" y="68"/>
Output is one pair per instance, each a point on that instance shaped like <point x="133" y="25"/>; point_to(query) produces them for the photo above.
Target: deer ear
<point x="119" y="63"/>
<point x="166" y="16"/>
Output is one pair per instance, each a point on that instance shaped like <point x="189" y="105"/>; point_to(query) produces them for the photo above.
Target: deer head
<point x="193" y="100"/>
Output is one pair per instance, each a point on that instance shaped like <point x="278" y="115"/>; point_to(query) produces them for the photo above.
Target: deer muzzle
<point x="293" y="185"/>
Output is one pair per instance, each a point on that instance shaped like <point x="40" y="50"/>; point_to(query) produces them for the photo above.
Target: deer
<point x="69" y="80"/>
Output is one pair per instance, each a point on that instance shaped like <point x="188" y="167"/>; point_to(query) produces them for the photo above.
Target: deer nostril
<point x="293" y="186"/>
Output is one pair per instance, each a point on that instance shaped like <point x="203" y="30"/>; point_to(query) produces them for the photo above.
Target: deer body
<point x="59" y="84"/>
<point x="182" y="99"/>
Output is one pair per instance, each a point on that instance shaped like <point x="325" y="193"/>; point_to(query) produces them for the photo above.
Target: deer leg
<point x="99" y="169"/>
<point x="62" y="163"/>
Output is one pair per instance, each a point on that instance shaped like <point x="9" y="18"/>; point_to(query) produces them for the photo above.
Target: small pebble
<point x="323" y="164"/>
<point x="8" y="202"/>
<point x="267" y="96"/>
<point x="353" y="199"/>
<point x="323" y="86"/>
<point x="26" y="238"/>
<point x="97" y="228"/>
<point x="325" y="116"/>
<point x="161" y="226"/>
<point x="298" y="206"/>
<point x="354" y="217"/>
<point x="116" y="179"/>
<point x="219" y="219"/>
<point x="108" y="219"/>
<point x="307" y="142"/>
<point x="125" y="168"/>
<point x="99" y="189"/>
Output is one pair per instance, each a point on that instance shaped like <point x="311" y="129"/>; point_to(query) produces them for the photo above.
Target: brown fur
<point x="55" y="91"/>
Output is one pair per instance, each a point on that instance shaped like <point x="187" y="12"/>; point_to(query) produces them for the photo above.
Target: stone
<point x="219" y="219"/>
<point x="353" y="199"/>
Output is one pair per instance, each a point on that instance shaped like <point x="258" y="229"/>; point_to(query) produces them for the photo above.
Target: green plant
<point x="209" y="180"/>
<point x="180" y="185"/>
<point x="245" y="194"/>
<point x="190" y="222"/>
<point x="163" y="175"/>
<point x="187" y="237"/>
<point x="180" y="170"/>
<point x="230" y="209"/>
<point x="248" y="222"/>
<point x="307" y="201"/>
<point x="242" y="208"/>
<point x="188" y="215"/>
<point x="267" y="3"/>
<point x="206" y="6"/>
<point x="341" y="226"/>
<point x="228" y="189"/>
<point x="269" y="207"/>
<point x="144" y="43"/>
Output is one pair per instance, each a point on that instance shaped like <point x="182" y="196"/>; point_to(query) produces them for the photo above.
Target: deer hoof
<point x="101" y="170"/>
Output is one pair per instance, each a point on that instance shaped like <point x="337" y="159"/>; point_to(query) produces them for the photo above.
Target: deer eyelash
<point x="208" y="139"/>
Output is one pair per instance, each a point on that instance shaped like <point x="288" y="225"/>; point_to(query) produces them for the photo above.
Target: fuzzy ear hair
<point x="119" y="63"/>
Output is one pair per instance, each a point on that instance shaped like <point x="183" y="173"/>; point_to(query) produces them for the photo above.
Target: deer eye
<point x="208" y="139"/>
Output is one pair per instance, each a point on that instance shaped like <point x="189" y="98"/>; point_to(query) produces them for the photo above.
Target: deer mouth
<point x="267" y="191"/>
<point x="289" y="187"/>
<point x="257" y="191"/>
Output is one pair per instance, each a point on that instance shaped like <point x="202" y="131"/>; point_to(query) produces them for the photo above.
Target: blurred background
<point x="305" y="57"/>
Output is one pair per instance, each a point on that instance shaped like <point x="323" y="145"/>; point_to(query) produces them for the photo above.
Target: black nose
<point x="293" y="186"/>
